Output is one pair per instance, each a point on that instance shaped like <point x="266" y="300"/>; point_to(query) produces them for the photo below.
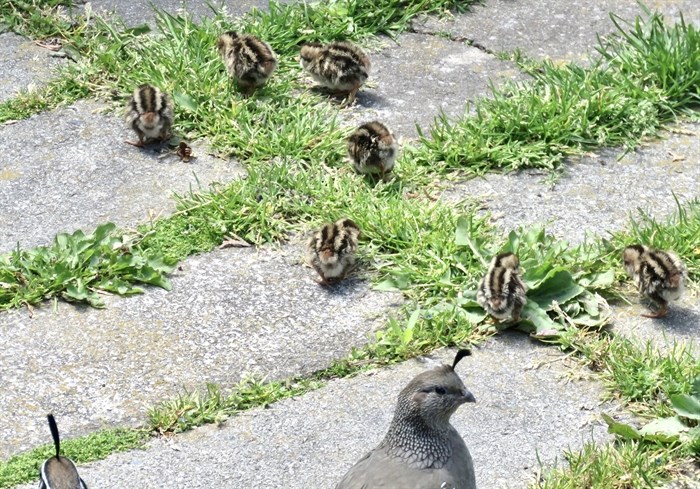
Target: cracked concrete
<point x="554" y="29"/>
<point x="70" y="169"/>
<point x="24" y="66"/>
<point x="528" y="407"/>
<point x="231" y="312"/>
<point x="234" y="311"/>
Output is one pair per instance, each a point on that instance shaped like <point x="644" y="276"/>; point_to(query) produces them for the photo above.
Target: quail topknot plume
<point x="421" y="449"/>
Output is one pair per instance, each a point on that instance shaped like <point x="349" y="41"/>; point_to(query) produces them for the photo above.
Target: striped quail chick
<point x="502" y="292"/>
<point x="59" y="472"/>
<point x="421" y="449"/>
<point x="340" y="66"/>
<point x="331" y="250"/>
<point x="150" y="114"/>
<point x="660" y="275"/>
<point x="248" y="60"/>
<point x="373" y="149"/>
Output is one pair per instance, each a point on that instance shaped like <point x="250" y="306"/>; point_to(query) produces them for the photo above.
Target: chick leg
<point x="138" y="144"/>
<point x="663" y="310"/>
<point x="351" y="95"/>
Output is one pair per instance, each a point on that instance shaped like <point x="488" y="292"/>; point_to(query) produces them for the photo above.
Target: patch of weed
<point x="613" y="466"/>
<point x="95" y="446"/>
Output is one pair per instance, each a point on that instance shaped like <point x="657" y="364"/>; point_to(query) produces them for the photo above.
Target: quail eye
<point x="440" y="390"/>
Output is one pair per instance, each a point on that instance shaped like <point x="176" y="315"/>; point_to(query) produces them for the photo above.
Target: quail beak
<point x="468" y="396"/>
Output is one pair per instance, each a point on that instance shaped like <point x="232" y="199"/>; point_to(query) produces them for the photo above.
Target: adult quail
<point x="59" y="472"/>
<point x="421" y="450"/>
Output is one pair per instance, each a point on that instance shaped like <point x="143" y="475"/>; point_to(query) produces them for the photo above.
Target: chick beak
<point x="467" y="396"/>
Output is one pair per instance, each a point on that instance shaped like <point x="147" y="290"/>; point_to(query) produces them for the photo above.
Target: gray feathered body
<point x="421" y="449"/>
<point x="659" y="275"/>
<point x="59" y="472"/>
<point x="150" y="114"/>
<point x="248" y="60"/>
<point x="331" y="250"/>
<point x="501" y="292"/>
<point x="340" y="65"/>
<point x="372" y="148"/>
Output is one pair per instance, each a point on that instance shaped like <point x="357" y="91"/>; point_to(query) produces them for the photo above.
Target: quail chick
<point x="331" y="250"/>
<point x="150" y="114"/>
<point x="248" y="60"/>
<point x="340" y="66"/>
<point x="59" y="472"/>
<point x="421" y="449"/>
<point x="660" y="275"/>
<point x="502" y="292"/>
<point x="373" y="149"/>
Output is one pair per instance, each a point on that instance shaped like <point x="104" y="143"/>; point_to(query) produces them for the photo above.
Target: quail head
<point x="150" y="114"/>
<point x="659" y="275"/>
<point x="421" y="449"/>
<point x="340" y="66"/>
<point x="331" y="250"/>
<point x="59" y="472"/>
<point x="249" y="61"/>
<point x="501" y="291"/>
<point x="373" y="149"/>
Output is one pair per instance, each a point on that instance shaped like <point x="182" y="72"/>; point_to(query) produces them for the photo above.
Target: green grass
<point x="291" y="143"/>
<point x="95" y="446"/>
<point x="627" y="465"/>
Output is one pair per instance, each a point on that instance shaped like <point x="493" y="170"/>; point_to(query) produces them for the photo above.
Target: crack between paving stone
<point x="454" y="38"/>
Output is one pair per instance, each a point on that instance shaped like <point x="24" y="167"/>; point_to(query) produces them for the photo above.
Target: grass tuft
<point x="95" y="446"/>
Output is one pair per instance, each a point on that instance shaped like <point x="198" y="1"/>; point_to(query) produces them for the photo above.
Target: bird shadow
<point x="681" y="320"/>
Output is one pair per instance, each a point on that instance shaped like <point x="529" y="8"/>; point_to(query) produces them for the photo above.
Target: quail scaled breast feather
<point x="421" y="449"/>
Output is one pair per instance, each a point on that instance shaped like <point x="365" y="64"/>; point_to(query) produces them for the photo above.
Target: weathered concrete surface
<point x="680" y="326"/>
<point x="557" y="29"/>
<point x="412" y="81"/>
<point x="139" y="11"/>
<point x="596" y="194"/>
<point x="23" y="65"/>
<point x="527" y="405"/>
<point x="70" y="169"/>
<point x="230" y="312"/>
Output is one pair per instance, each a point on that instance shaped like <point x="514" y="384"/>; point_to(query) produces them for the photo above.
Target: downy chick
<point x="150" y="114"/>
<point x="502" y="292"/>
<point x="248" y="60"/>
<point x="331" y="250"/>
<point x="421" y="449"/>
<point x="373" y="149"/>
<point x="660" y="275"/>
<point x="340" y="66"/>
<point x="59" y="472"/>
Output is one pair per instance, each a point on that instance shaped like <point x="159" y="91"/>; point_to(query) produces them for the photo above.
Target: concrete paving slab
<point x="412" y="81"/>
<point x="527" y="406"/>
<point x="136" y="12"/>
<point x="680" y="326"/>
<point x="557" y="29"/>
<point x="231" y="312"/>
<point x="23" y="65"/>
<point x="595" y="194"/>
<point x="70" y="169"/>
